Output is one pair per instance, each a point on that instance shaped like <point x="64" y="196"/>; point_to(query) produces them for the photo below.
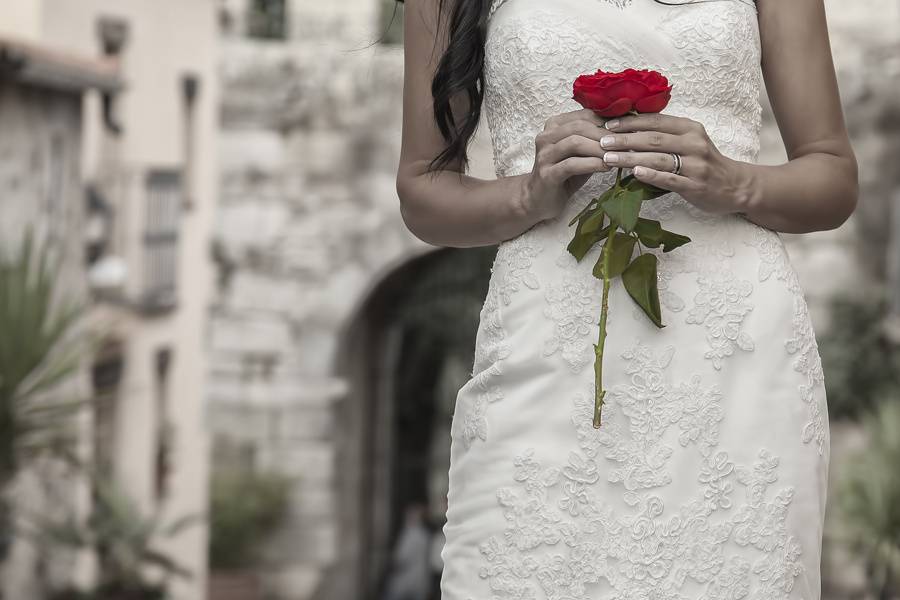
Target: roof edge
<point x="41" y="65"/>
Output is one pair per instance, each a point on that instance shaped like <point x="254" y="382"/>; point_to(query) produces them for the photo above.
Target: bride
<point x="707" y="478"/>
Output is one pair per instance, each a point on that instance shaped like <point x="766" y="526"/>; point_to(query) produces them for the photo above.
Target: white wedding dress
<point x="707" y="478"/>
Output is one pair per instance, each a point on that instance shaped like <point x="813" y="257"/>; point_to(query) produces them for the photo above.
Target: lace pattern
<point x="572" y="305"/>
<point x="510" y="273"/>
<point x="495" y="4"/>
<point x="564" y="540"/>
<point x="802" y="344"/>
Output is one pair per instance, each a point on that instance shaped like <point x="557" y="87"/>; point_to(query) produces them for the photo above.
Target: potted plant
<point x="123" y="541"/>
<point x="245" y="508"/>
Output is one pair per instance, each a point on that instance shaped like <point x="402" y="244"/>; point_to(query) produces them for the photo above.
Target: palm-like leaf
<point x="122" y="536"/>
<point x="35" y="354"/>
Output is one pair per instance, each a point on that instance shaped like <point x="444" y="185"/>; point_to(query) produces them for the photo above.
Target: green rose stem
<point x="599" y="392"/>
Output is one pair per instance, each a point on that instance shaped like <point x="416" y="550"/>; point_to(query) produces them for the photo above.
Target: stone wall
<point x="308" y="224"/>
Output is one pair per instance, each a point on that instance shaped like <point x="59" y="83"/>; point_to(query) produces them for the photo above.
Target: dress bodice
<point x="710" y="51"/>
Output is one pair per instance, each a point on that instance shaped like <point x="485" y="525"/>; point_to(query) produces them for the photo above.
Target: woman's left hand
<point x="708" y="179"/>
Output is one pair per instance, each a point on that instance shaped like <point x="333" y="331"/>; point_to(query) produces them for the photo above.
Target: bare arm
<point x="450" y="208"/>
<point x="817" y="188"/>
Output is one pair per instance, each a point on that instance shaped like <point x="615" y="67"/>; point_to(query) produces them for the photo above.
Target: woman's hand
<point x="708" y="179"/>
<point x="566" y="154"/>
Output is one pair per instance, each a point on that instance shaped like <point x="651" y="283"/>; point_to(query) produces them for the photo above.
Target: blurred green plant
<point x="245" y="508"/>
<point x="861" y="364"/>
<point x="267" y="19"/>
<point x="37" y="353"/>
<point x="123" y="540"/>
<point x="868" y="496"/>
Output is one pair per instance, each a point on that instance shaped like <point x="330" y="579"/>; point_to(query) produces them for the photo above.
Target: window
<point x="267" y="19"/>
<point x="163" y="204"/>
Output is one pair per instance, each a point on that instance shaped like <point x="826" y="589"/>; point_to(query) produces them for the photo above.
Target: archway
<point x="405" y="355"/>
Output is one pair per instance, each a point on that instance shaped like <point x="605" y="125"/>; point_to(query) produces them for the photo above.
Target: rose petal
<point x="628" y="88"/>
<point x="617" y="109"/>
<point x="591" y="100"/>
<point x="655" y="103"/>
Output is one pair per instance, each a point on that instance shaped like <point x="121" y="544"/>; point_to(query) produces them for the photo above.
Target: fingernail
<point x="611" y="158"/>
<point x="641" y="172"/>
<point x="612" y="124"/>
<point x="607" y="140"/>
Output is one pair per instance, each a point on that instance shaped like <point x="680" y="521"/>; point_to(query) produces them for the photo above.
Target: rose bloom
<point x="616" y="94"/>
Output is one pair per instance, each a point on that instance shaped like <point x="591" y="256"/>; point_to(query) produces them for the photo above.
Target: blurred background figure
<point x="409" y="577"/>
<point x="262" y="373"/>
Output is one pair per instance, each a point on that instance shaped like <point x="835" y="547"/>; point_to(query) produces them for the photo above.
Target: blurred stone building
<point x="127" y="177"/>
<point x="41" y="94"/>
<point x="319" y="280"/>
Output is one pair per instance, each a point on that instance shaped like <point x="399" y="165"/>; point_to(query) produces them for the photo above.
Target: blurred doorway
<point x="406" y="354"/>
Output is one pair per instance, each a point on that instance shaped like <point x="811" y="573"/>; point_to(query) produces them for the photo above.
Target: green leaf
<point x="168" y="565"/>
<point x="593" y="221"/>
<point x="640" y="282"/>
<point x="670" y="240"/>
<point x="623" y="207"/>
<point x="652" y="235"/>
<point x="649" y="231"/>
<point x="649" y="191"/>
<point x="590" y="206"/>
<point x="185" y="522"/>
<point x="619" y="256"/>
<point x="583" y="242"/>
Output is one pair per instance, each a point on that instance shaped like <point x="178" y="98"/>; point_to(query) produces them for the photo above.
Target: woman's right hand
<point x="567" y="153"/>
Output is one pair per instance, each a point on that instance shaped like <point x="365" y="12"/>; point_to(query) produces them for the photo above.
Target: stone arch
<point x="413" y="331"/>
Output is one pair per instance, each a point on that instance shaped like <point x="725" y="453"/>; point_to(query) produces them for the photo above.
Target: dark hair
<point x="461" y="70"/>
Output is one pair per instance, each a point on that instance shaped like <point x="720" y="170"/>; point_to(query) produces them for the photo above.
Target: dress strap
<point x="495" y="4"/>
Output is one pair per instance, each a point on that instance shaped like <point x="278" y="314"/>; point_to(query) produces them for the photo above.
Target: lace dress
<point x="707" y="479"/>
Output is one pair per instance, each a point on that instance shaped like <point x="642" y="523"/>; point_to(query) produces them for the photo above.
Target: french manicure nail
<point x="607" y="140"/>
<point x="611" y="158"/>
<point x="612" y="124"/>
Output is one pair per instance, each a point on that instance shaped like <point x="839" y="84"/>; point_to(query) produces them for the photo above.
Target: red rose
<point x="616" y="94"/>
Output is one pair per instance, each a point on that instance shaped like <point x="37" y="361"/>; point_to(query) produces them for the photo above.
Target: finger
<point x="574" y="145"/>
<point x="668" y="181"/>
<point x="653" y="160"/>
<point x="584" y="127"/>
<point x="576" y="165"/>
<point x="653" y="122"/>
<point x="575" y="115"/>
<point x="652" y="141"/>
